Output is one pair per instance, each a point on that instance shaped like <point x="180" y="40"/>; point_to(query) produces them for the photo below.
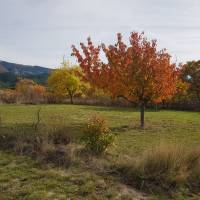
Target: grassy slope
<point x="22" y="178"/>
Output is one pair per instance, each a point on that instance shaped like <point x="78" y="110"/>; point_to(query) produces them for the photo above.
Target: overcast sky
<point x="40" y="32"/>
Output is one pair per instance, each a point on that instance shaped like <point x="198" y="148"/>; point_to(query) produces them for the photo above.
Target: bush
<point x="166" y="167"/>
<point x="8" y="96"/>
<point x="97" y="135"/>
<point x="58" y="132"/>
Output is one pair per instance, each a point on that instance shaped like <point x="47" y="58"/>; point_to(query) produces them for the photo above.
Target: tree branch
<point x="122" y="96"/>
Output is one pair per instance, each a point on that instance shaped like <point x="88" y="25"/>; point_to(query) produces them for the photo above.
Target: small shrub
<point x="166" y="167"/>
<point x="58" y="131"/>
<point x="97" y="135"/>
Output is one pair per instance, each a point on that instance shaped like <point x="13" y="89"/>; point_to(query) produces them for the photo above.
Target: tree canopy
<point x="138" y="72"/>
<point x="65" y="81"/>
<point x="191" y="75"/>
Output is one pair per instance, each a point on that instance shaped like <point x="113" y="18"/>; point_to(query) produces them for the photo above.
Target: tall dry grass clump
<point x="165" y="167"/>
<point x="48" y="142"/>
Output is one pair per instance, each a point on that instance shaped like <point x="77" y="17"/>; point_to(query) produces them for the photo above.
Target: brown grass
<point x="165" y="167"/>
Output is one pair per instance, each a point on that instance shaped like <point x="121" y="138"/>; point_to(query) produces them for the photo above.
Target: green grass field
<point x="23" y="178"/>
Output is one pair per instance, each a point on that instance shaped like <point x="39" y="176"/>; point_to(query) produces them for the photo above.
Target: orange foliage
<point x="137" y="72"/>
<point x="8" y="96"/>
<point x="30" y="92"/>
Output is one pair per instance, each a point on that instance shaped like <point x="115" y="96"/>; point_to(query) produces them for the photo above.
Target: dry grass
<point x="165" y="168"/>
<point x="173" y="170"/>
<point x="46" y="145"/>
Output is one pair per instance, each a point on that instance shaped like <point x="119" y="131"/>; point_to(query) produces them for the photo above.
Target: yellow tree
<point x="65" y="81"/>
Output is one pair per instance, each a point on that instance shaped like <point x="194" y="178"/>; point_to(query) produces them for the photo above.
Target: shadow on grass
<point x="123" y="128"/>
<point x="108" y="109"/>
<point x="116" y="109"/>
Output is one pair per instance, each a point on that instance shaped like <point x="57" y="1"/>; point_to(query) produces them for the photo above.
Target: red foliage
<point x="138" y="72"/>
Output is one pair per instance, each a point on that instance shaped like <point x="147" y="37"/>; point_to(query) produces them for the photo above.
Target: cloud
<point x="41" y="31"/>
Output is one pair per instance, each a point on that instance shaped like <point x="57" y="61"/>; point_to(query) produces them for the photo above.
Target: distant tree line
<point x="134" y="75"/>
<point x="65" y="85"/>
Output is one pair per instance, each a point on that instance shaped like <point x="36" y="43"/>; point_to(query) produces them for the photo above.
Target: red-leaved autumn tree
<point x="138" y="72"/>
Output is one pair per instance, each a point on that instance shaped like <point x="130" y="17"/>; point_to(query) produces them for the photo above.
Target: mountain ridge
<point x="10" y="72"/>
<point x="23" y="69"/>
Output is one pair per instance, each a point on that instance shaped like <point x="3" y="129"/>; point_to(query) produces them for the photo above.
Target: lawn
<point x="23" y="178"/>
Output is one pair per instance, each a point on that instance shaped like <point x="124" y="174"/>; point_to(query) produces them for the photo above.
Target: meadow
<point x="24" y="178"/>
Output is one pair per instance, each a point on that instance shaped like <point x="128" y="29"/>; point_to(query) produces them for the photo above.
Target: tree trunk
<point x="198" y="97"/>
<point x="142" y="108"/>
<point x="156" y="107"/>
<point x="71" y="99"/>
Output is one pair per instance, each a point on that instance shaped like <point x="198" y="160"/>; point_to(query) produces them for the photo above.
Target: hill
<point x="11" y="72"/>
